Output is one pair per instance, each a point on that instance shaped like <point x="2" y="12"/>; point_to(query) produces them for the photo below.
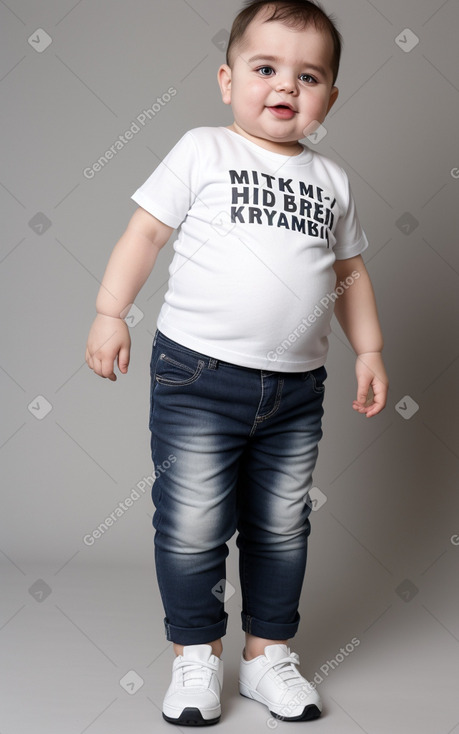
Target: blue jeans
<point x="234" y="448"/>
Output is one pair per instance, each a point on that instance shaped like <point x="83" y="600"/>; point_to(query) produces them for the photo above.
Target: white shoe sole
<point x="311" y="711"/>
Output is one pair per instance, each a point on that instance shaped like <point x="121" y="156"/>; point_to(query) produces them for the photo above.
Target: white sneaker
<point x="193" y="697"/>
<point x="274" y="680"/>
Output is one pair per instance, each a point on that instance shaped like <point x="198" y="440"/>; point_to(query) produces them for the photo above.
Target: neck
<point x="289" y="148"/>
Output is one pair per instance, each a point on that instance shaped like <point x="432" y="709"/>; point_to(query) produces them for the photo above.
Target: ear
<point x="333" y="97"/>
<point x="224" y="81"/>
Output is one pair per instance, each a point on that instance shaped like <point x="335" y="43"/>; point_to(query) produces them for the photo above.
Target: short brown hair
<point x="294" y="13"/>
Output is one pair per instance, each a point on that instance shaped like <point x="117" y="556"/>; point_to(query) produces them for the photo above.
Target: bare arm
<point x="129" y="266"/>
<point x="131" y="262"/>
<point x="357" y="314"/>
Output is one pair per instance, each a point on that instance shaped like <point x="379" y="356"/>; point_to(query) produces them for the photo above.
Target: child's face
<point x="277" y="65"/>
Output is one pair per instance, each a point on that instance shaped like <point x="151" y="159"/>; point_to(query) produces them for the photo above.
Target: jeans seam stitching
<point x="277" y="401"/>
<point x="256" y="421"/>
<point x="275" y="408"/>
<point x="181" y="383"/>
<point x="169" y="360"/>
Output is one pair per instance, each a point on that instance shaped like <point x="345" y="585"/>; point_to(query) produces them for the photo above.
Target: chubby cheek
<point x="316" y="108"/>
<point x="254" y="91"/>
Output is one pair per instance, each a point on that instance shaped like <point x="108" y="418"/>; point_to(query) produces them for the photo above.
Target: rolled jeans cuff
<point x="269" y="630"/>
<point x="195" y="635"/>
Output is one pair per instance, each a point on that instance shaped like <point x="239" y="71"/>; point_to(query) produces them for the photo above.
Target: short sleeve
<point x="351" y="240"/>
<point x="170" y="190"/>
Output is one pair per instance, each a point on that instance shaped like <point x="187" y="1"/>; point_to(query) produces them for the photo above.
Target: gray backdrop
<point x="384" y="548"/>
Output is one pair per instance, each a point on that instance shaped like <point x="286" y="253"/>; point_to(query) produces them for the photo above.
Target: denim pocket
<point x="171" y="372"/>
<point x="318" y="377"/>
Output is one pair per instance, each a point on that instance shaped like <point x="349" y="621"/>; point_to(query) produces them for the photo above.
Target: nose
<point x="286" y="83"/>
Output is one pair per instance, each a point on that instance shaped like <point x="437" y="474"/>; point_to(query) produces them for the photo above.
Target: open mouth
<point x="282" y="111"/>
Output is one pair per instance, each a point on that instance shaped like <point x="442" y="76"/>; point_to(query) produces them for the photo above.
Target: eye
<point x="265" y="70"/>
<point x="308" y="79"/>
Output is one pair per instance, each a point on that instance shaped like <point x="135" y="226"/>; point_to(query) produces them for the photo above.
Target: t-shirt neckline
<point x="304" y="157"/>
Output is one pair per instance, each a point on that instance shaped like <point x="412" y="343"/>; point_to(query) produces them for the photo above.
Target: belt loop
<point x="213" y="363"/>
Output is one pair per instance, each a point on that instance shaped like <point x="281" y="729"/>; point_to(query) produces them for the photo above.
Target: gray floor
<point x="83" y="650"/>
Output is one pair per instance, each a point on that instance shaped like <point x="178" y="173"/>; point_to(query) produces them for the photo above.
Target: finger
<point x="380" y="397"/>
<point x="88" y="359"/>
<point x="377" y="406"/>
<point x="107" y="369"/>
<point x="123" y="359"/>
<point x="101" y="367"/>
<point x="98" y="367"/>
<point x="370" y="397"/>
<point x="363" y="386"/>
<point x="374" y="410"/>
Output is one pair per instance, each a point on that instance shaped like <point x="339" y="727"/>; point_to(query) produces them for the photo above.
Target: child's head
<point x="282" y="63"/>
<point x="297" y="14"/>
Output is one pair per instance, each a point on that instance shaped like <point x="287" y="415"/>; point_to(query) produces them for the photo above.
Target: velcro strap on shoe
<point x="268" y="666"/>
<point x="202" y="663"/>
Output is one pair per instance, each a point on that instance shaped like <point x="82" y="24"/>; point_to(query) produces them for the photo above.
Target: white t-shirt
<point x="251" y="281"/>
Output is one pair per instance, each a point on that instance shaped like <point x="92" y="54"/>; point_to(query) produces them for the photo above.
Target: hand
<point x="108" y="339"/>
<point x="372" y="384"/>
